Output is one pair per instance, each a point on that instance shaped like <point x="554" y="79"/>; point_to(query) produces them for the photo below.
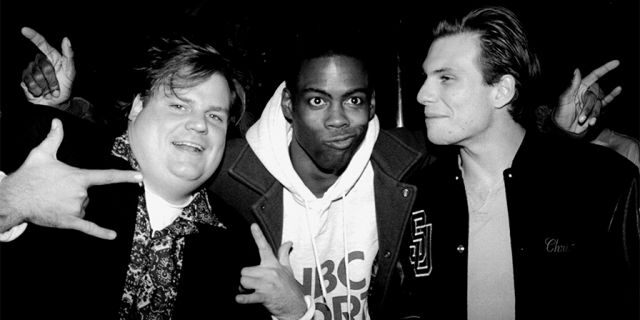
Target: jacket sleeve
<point x="628" y="208"/>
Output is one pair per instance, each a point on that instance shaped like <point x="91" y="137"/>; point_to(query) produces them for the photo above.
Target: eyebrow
<point x="348" y="93"/>
<point x="209" y="107"/>
<point x="442" y="70"/>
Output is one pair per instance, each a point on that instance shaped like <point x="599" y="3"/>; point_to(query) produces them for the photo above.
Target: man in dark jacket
<point x="512" y="224"/>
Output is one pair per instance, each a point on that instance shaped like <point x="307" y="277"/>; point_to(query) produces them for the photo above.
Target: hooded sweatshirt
<point x="324" y="231"/>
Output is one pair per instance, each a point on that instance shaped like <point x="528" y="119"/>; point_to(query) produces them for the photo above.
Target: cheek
<point x="360" y="117"/>
<point x="306" y="129"/>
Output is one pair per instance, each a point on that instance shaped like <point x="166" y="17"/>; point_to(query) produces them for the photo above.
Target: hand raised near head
<point x="575" y="114"/>
<point x="49" y="78"/>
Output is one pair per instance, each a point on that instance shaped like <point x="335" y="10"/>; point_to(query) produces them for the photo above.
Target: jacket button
<point x="457" y="178"/>
<point x="460" y="248"/>
<point x="387" y="254"/>
<point x="405" y="192"/>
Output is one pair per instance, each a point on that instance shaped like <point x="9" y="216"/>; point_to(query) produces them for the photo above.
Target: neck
<point x="315" y="179"/>
<point x="484" y="159"/>
<point x="172" y="198"/>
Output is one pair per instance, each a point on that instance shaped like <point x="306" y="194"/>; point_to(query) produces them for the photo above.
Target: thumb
<point x="575" y="82"/>
<point x="283" y="254"/>
<point x="67" y="51"/>
<point x="52" y="142"/>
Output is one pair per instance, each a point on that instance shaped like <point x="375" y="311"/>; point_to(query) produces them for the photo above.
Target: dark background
<point x="106" y="34"/>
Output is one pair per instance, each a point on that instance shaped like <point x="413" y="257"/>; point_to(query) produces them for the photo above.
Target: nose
<point x="198" y="123"/>
<point x="337" y="118"/>
<point x="425" y="95"/>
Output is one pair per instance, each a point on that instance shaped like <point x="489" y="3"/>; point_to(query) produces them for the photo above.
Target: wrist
<point x="306" y="314"/>
<point x="10" y="214"/>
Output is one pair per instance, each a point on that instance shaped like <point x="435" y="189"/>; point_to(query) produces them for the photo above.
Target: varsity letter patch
<point x="420" y="247"/>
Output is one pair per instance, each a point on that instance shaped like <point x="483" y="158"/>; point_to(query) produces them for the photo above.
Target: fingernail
<point x="582" y="118"/>
<point x="56" y="93"/>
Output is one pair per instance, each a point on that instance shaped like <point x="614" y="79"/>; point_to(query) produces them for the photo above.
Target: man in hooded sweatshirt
<point x="317" y="170"/>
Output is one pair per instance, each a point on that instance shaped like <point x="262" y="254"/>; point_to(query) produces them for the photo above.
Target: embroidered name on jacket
<point x="420" y="247"/>
<point x="559" y="246"/>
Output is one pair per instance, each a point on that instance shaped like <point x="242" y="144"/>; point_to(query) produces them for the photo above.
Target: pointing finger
<point x="266" y="254"/>
<point x="612" y="95"/>
<point x="110" y="176"/>
<point x="601" y="71"/>
<point x="90" y="228"/>
<point x="40" y="42"/>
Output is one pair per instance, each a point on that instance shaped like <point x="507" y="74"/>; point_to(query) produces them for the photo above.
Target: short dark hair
<point x="505" y="50"/>
<point x="175" y="62"/>
<point x="312" y="43"/>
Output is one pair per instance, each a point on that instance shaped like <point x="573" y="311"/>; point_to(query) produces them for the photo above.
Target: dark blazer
<point x="65" y="274"/>
<point x="246" y="185"/>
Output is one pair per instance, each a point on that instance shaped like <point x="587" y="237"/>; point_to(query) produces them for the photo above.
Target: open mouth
<point x="188" y="146"/>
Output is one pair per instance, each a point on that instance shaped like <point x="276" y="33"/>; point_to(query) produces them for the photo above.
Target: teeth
<point x="191" y="145"/>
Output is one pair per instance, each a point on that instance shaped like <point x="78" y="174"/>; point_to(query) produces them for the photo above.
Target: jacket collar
<point x="390" y="154"/>
<point x="393" y="156"/>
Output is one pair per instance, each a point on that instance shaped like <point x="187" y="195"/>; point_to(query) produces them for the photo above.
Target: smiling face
<point x="329" y="109"/>
<point x="178" y="137"/>
<point x="456" y="99"/>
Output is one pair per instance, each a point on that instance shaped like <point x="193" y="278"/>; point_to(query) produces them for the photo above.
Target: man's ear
<point x="504" y="91"/>
<point x="372" y="106"/>
<point x="286" y="104"/>
<point x="136" y="107"/>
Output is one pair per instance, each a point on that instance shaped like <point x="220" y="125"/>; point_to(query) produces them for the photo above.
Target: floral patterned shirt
<point x="155" y="265"/>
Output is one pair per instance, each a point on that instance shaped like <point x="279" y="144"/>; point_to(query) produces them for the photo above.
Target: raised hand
<point x="47" y="192"/>
<point x="49" y="78"/>
<point x="273" y="281"/>
<point x="575" y="114"/>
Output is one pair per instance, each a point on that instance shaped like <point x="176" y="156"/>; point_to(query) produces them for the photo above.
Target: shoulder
<point x="414" y="139"/>
<point x="577" y="158"/>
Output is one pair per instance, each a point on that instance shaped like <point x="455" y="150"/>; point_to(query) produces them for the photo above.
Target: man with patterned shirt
<point x="171" y="257"/>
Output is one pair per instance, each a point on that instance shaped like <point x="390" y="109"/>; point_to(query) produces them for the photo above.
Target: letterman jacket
<point x="574" y="221"/>
<point x="246" y="185"/>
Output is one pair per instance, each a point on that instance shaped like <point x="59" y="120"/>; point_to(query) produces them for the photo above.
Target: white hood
<point x="270" y="136"/>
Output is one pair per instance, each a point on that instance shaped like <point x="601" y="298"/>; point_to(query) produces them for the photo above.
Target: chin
<point x="190" y="175"/>
<point x="438" y="139"/>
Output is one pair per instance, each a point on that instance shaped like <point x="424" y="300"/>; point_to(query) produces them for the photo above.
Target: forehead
<point x="213" y="91"/>
<point x="333" y="71"/>
<point x="457" y="52"/>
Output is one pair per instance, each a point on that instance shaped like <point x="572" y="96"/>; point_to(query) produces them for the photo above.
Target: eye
<point x="216" y="117"/>
<point x="316" y="101"/>
<point x="445" y="78"/>
<point x="178" y="107"/>
<point x="355" y="101"/>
